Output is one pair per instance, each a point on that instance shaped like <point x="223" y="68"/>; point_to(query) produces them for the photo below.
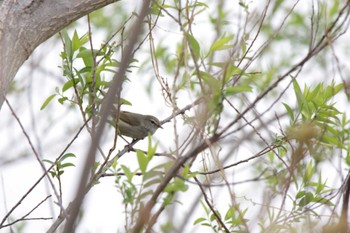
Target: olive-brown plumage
<point x="136" y="125"/>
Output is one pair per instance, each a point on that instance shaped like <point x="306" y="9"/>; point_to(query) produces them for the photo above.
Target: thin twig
<point x="24" y="217"/>
<point x="42" y="177"/>
<point x="36" y="156"/>
<point x="214" y="212"/>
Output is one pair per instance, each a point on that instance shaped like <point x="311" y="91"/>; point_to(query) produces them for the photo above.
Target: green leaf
<point x="53" y="174"/>
<point x="211" y="81"/>
<point x="230" y="213"/>
<point x="323" y="201"/>
<point x="67" y="46"/>
<point x="321" y="187"/>
<point x="68" y="155"/>
<point x="143" y="160"/>
<point x="84" y="39"/>
<point x="309" y="197"/>
<point x="67" y="165"/>
<point x="236" y="89"/>
<point x="60" y="173"/>
<point x="176" y="185"/>
<point x="194" y="45"/>
<point x="47" y="101"/>
<point x="206" y="224"/>
<point x="151" y="150"/>
<point x="213" y="216"/>
<point x="219" y="64"/>
<point x="220" y="44"/>
<point x="68" y="85"/>
<point x="86" y="55"/>
<point x="129" y="175"/>
<point x="185" y="171"/>
<point x="298" y="92"/>
<point x="62" y="99"/>
<point x="338" y="88"/>
<point x="290" y="111"/>
<point x="84" y="52"/>
<point x="75" y="41"/>
<point x="48" y="161"/>
<point x="332" y="140"/>
<point x="129" y="193"/>
<point x="151" y="182"/>
<point x="80" y="78"/>
<point x="300" y="194"/>
<point x="199" y="220"/>
<point x="126" y="102"/>
<point x="309" y="172"/>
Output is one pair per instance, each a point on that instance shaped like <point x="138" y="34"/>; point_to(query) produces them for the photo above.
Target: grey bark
<point x="25" y="24"/>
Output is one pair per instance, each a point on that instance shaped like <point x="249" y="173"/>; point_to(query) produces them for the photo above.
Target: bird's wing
<point x="129" y="118"/>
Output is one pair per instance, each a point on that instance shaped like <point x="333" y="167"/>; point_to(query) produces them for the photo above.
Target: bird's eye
<point x="154" y="122"/>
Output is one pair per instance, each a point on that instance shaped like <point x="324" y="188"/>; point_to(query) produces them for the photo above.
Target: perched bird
<point x="136" y="125"/>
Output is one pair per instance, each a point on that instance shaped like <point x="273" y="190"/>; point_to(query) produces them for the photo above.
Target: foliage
<point x="255" y="102"/>
<point x="60" y="165"/>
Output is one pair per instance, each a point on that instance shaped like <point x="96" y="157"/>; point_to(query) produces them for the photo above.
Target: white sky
<point x="50" y="136"/>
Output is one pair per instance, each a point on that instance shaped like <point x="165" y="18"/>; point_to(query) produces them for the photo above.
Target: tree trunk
<point x="25" y="24"/>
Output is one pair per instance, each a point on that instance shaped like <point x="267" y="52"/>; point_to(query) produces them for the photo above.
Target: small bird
<point x="137" y="126"/>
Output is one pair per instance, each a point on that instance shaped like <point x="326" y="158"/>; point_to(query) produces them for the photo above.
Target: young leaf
<point x="62" y="99"/>
<point x="68" y="155"/>
<point x="290" y="111"/>
<point x="48" y="161"/>
<point x="236" y="89"/>
<point x="75" y="41"/>
<point x="194" y="46"/>
<point x="298" y="92"/>
<point x="129" y="175"/>
<point x="67" y="85"/>
<point x="151" y="150"/>
<point x="67" y="165"/>
<point x="67" y="46"/>
<point x="47" y="101"/>
<point x="221" y="43"/>
<point x="143" y="160"/>
<point x="199" y="220"/>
